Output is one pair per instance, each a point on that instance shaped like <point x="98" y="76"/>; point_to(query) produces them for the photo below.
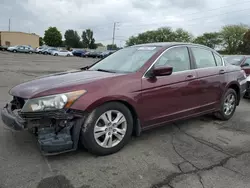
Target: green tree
<point x="112" y="47"/>
<point x="88" y="40"/>
<point x="132" y="41"/>
<point x="181" y="35"/>
<point x="72" y="39"/>
<point x="209" y="39"/>
<point x="232" y="37"/>
<point x="52" y="37"/>
<point x="165" y="34"/>
<point x="244" y="48"/>
<point x="99" y="45"/>
<point x="41" y="42"/>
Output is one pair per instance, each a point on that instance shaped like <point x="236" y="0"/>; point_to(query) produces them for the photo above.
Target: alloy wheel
<point x="110" y="129"/>
<point x="229" y="104"/>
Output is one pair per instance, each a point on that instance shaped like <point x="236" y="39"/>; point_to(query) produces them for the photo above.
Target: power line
<point x="204" y="11"/>
<point x="189" y="19"/>
<point x="182" y="15"/>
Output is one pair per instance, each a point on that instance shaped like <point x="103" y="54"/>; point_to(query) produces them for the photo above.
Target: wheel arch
<point x="128" y="103"/>
<point x="235" y="86"/>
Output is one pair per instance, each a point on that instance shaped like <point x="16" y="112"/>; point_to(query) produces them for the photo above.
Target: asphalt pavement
<point x="196" y="153"/>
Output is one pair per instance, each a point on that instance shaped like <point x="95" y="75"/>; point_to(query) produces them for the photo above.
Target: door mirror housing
<point x="162" y="71"/>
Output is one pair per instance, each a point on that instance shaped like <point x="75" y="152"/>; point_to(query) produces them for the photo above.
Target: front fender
<point x="109" y="99"/>
<point x="88" y="104"/>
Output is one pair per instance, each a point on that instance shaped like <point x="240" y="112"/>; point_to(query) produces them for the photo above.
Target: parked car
<point x="247" y="94"/>
<point x="79" y="53"/>
<point x="11" y="48"/>
<point x="3" y="48"/>
<point x="39" y="49"/>
<point x="132" y="90"/>
<point x="86" y="54"/>
<point x="21" y="49"/>
<point x="47" y="50"/>
<point x="239" y="60"/>
<point x="50" y="50"/>
<point x="61" y="53"/>
<point x="93" y="54"/>
<point x="104" y="54"/>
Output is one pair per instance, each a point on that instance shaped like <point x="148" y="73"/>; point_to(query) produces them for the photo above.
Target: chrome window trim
<point x="223" y="62"/>
<point x="187" y="46"/>
<point x="180" y="46"/>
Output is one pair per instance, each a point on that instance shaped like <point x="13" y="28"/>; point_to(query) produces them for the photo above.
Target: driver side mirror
<point x="160" y="71"/>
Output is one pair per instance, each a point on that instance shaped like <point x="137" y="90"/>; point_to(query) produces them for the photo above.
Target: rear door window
<point x="218" y="60"/>
<point x="203" y="58"/>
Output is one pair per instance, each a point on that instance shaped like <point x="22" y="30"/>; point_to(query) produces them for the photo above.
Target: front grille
<point x="17" y="103"/>
<point x="58" y="114"/>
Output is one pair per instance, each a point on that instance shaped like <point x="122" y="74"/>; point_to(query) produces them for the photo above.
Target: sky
<point x="131" y="16"/>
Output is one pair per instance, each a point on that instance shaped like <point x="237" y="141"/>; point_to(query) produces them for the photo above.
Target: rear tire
<point x="116" y="132"/>
<point x="228" y="105"/>
<point x="68" y="55"/>
<point x="56" y="55"/>
<point x="30" y="52"/>
<point x="14" y="51"/>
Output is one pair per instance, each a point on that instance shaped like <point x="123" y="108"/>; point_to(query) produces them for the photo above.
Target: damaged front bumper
<point x="11" y="119"/>
<point x="57" y="131"/>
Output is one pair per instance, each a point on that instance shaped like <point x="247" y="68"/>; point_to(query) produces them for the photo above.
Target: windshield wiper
<point x="103" y="70"/>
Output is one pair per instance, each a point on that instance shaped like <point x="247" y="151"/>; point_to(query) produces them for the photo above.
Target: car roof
<point x="169" y="44"/>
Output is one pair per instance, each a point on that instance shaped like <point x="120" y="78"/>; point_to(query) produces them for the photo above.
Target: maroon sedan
<point x="240" y="60"/>
<point x="134" y="89"/>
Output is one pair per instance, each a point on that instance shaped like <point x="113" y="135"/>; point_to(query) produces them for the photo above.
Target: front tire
<point x="107" y="129"/>
<point x="14" y="51"/>
<point x="228" y="105"/>
<point x="56" y="55"/>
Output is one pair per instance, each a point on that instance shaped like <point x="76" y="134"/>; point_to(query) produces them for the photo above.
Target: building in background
<point x="12" y="38"/>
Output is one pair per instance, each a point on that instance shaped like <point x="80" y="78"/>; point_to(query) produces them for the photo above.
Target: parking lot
<point x="197" y="153"/>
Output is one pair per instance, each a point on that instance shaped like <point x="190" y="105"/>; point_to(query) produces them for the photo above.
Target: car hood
<point x="61" y="80"/>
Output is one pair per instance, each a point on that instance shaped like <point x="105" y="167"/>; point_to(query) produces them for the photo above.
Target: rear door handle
<point x="189" y="77"/>
<point x="222" y="72"/>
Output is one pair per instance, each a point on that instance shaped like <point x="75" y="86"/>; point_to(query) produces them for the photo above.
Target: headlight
<point x="52" y="102"/>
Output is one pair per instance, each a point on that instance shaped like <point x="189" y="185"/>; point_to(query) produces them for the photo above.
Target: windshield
<point x="129" y="59"/>
<point x="234" y="60"/>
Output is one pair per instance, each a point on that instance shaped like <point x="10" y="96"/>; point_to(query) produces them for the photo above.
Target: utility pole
<point x="114" y="29"/>
<point x="9" y="24"/>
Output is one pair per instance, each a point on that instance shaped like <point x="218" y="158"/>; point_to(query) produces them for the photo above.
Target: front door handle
<point x="222" y="71"/>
